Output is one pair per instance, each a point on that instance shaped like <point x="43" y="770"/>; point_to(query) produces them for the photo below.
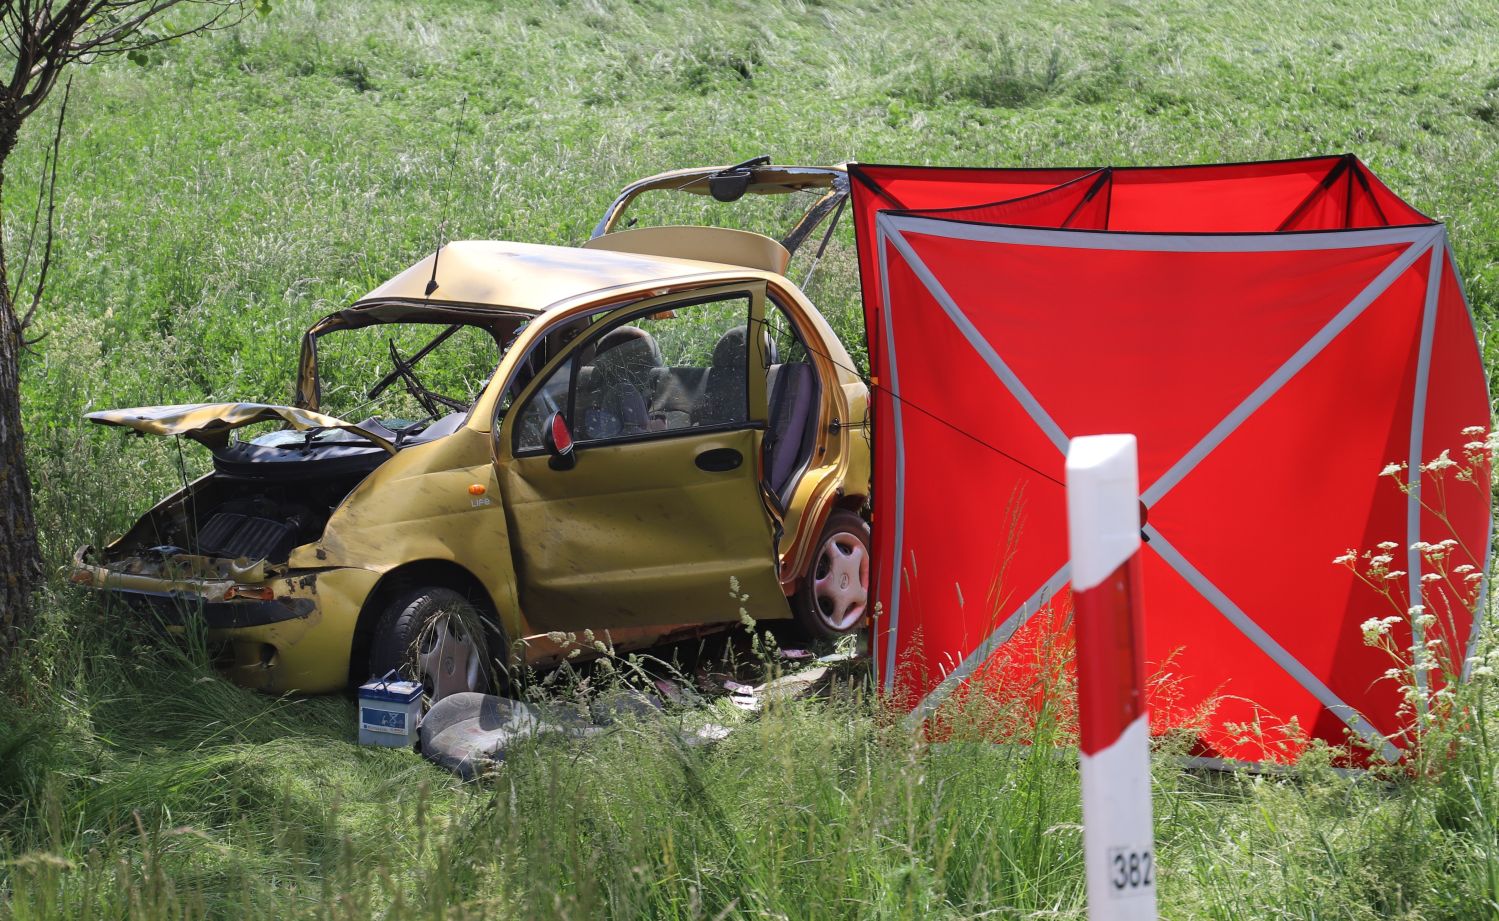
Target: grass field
<point x="216" y="201"/>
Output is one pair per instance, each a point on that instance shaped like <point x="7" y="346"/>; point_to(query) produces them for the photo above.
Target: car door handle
<point x="719" y="460"/>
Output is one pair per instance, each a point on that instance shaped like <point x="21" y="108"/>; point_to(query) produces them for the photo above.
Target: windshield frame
<point x="501" y="323"/>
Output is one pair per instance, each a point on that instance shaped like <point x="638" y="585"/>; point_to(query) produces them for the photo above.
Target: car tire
<point x="440" y="638"/>
<point x="833" y="599"/>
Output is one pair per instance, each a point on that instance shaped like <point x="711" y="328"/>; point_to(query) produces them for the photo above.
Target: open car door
<point x="630" y="468"/>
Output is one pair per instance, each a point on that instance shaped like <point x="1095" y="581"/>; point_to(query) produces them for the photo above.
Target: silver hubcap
<point x="448" y="660"/>
<point x="840" y="581"/>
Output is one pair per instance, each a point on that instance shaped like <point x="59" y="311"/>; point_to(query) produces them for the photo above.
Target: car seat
<point x="793" y="423"/>
<point x="612" y="389"/>
<point x="725" y="396"/>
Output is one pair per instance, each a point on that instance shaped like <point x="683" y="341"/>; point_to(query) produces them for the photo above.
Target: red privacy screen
<point x="1275" y="334"/>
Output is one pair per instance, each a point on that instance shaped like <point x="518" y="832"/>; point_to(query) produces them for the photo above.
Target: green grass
<point x="217" y="201"/>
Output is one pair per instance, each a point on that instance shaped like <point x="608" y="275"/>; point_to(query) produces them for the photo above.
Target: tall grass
<point x="217" y="201"/>
<point x="136" y="784"/>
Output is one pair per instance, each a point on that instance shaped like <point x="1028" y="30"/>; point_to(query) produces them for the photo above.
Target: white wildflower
<point x="1392" y="469"/>
<point x="1346" y="558"/>
<point x="1416" y="610"/>
<point x="1392" y="575"/>
<point x="1440" y="462"/>
<point x="1426" y="620"/>
<point x="1384" y="559"/>
<point x="1475" y="430"/>
<point x="1388" y="545"/>
<point x="1432" y="577"/>
<point x="1466" y="567"/>
<point x="1473" y="577"/>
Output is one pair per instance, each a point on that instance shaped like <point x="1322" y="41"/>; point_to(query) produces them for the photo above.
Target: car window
<point x="669" y="371"/>
<point x="786" y="346"/>
<point x="446" y="367"/>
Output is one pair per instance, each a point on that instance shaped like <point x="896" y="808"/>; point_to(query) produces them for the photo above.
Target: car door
<point x="659" y="512"/>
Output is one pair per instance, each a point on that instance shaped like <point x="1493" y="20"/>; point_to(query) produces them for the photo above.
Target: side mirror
<point x="558" y="440"/>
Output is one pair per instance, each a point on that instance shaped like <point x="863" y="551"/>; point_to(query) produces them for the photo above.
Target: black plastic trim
<point x="175" y="608"/>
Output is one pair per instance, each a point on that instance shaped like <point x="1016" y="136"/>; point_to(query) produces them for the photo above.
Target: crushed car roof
<point x="527" y="276"/>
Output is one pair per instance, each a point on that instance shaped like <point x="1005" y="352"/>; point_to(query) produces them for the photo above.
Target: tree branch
<point x="48" y="37"/>
<point x="41" y="281"/>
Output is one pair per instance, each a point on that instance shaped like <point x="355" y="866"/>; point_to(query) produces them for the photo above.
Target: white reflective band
<point x="1157" y="242"/>
<point x="1103" y="506"/>
<point x="893" y="574"/>
<point x="1118" y="838"/>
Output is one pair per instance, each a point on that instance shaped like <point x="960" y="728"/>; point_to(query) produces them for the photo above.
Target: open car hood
<point x="211" y="423"/>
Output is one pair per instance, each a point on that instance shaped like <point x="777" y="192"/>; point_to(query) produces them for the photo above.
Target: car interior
<point x="626" y="388"/>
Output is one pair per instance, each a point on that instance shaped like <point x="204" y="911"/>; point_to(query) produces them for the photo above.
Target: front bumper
<point x="178" y="608"/>
<point x="291" y="631"/>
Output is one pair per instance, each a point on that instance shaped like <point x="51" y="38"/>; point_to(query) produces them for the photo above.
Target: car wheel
<point x="834" y="594"/>
<point x="438" y="637"/>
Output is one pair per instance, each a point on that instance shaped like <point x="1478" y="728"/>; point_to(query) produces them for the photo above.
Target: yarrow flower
<point x="1346" y="558"/>
<point x="1475" y="430"/>
<point x="1376" y="627"/>
<point x="1392" y="469"/>
<point x="1388" y="545"/>
<point x="1440" y="462"/>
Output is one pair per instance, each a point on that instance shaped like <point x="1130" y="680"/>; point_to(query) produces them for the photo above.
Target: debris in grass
<point x="466" y="732"/>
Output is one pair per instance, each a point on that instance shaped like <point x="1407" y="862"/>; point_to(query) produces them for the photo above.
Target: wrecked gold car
<point x="554" y="439"/>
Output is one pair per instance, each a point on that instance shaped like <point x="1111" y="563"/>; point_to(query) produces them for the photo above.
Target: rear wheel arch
<point x="859" y="505"/>
<point x="832" y="597"/>
<point x="856" y="504"/>
<point x="402" y="579"/>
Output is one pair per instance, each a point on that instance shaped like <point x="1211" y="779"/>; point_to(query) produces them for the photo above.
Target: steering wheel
<point x="430" y="400"/>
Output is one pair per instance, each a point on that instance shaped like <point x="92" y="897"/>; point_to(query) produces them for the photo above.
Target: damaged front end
<point x="216" y="552"/>
<point x="234" y="551"/>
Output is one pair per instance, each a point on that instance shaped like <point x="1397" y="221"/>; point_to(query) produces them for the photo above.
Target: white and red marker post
<point x="1103" y="529"/>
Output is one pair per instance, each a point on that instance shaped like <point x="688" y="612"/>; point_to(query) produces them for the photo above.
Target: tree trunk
<point x="20" y="557"/>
